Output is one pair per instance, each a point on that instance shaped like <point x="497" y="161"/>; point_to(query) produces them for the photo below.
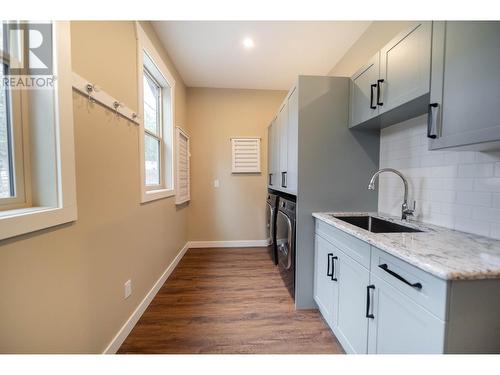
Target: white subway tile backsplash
<point x="476" y="170"/>
<point x="455" y="189"/>
<point x="474" y="198"/>
<point x="472" y="226"/>
<point x="487" y="184"/>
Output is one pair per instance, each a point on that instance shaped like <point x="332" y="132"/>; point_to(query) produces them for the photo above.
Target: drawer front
<point x="428" y="291"/>
<point x="353" y="247"/>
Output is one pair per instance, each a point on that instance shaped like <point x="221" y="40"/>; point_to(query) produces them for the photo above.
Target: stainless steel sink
<point x="376" y="225"/>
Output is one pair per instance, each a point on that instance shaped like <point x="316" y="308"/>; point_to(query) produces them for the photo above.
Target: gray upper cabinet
<point x="394" y="85"/>
<point x="283" y="139"/>
<point x="283" y="149"/>
<point x="273" y="154"/>
<point x="465" y="86"/>
<point x="292" y="142"/>
<point x="405" y="64"/>
<point x="362" y="101"/>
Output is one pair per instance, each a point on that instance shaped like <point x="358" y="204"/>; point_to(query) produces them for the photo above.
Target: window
<point x="156" y="105"/>
<point x="153" y="126"/>
<point x="13" y="144"/>
<point x="6" y="177"/>
<point x="37" y="165"/>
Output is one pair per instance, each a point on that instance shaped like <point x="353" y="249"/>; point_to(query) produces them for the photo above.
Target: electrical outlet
<point x="128" y="288"/>
<point x="216" y="183"/>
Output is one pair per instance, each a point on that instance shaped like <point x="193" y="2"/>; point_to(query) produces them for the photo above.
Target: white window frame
<point x="166" y="188"/>
<point x="24" y="220"/>
<point x="17" y="105"/>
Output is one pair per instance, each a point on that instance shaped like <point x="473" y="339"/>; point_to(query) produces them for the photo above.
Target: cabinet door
<point x="405" y="67"/>
<point x="465" y="84"/>
<point x="399" y="325"/>
<point x="283" y="140"/>
<point x="352" y="326"/>
<point x="293" y="143"/>
<point x="362" y="101"/>
<point x="273" y="157"/>
<point x="325" y="288"/>
<point x="270" y="149"/>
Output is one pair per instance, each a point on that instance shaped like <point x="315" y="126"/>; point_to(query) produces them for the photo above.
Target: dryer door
<point x="286" y="252"/>
<point x="284" y="233"/>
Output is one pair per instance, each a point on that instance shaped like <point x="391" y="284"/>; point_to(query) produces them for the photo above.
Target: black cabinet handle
<point x="379" y="81"/>
<point x="283" y="179"/>
<point x="371" y="97"/>
<point x="333" y="269"/>
<point x="385" y="267"/>
<point x="368" y="315"/>
<point x="270" y="179"/>
<point x="329" y="272"/>
<point x="430" y="121"/>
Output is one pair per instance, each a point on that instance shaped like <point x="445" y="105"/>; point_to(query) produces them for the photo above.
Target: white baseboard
<point x="124" y="331"/>
<point x="208" y="244"/>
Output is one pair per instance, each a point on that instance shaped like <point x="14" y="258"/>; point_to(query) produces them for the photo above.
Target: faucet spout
<point x="405" y="211"/>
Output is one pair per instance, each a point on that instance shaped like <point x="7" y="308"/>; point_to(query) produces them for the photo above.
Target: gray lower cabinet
<point x="397" y="324"/>
<point x="465" y="86"/>
<point x="352" y="325"/>
<point x="325" y="288"/>
<point x="377" y="303"/>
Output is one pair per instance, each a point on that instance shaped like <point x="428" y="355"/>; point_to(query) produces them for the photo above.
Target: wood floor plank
<point x="228" y="301"/>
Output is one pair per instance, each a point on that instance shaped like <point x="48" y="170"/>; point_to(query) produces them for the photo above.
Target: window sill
<point x="152" y="195"/>
<point x="25" y="220"/>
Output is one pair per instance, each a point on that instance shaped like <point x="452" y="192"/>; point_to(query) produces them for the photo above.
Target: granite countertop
<point x="445" y="253"/>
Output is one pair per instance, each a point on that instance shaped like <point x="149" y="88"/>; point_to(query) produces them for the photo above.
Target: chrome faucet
<point x="405" y="210"/>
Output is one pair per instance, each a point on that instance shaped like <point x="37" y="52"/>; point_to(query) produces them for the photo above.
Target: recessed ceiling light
<point x="248" y="43"/>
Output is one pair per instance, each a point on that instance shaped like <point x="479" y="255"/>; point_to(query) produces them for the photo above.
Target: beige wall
<point x="235" y="210"/>
<point x="61" y="289"/>
<point x="373" y="39"/>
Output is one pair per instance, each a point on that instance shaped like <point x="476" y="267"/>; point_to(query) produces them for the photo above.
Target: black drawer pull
<point x="368" y="314"/>
<point x="328" y="271"/>
<point x="385" y="267"/>
<point x="430" y="121"/>
<point x="283" y="179"/>
<point x="270" y="179"/>
<point x="333" y="269"/>
<point x="371" y="96"/>
<point x="379" y="81"/>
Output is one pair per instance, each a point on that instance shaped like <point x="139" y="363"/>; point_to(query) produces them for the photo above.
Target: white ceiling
<point x="211" y="54"/>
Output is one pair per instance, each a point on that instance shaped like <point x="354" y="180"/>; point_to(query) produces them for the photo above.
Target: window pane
<point x="152" y="160"/>
<point x="5" y="170"/>
<point x="151" y="107"/>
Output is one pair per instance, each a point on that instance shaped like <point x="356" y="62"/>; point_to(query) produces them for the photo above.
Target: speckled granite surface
<point x="445" y="253"/>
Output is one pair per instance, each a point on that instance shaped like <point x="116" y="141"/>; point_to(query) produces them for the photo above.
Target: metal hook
<point x="90" y="89"/>
<point x="116" y="106"/>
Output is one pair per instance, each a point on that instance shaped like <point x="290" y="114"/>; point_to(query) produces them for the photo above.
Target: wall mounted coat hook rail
<point x="95" y="94"/>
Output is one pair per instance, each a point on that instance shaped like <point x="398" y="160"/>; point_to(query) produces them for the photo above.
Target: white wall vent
<point x="245" y="155"/>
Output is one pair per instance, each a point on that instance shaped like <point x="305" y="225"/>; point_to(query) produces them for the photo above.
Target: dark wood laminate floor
<point x="227" y="301"/>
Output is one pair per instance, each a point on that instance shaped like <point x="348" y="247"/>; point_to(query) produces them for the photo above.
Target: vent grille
<point x="182" y="193"/>
<point x="245" y="155"/>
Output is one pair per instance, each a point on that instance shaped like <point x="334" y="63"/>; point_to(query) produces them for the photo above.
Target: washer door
<point x="284" y="233"/>
<point x="269" y="223"/>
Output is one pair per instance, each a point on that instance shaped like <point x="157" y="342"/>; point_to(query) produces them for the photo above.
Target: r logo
<point x="29" y="47"/>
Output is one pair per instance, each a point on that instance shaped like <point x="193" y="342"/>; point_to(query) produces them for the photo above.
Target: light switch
<point x="216" y="183"/>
